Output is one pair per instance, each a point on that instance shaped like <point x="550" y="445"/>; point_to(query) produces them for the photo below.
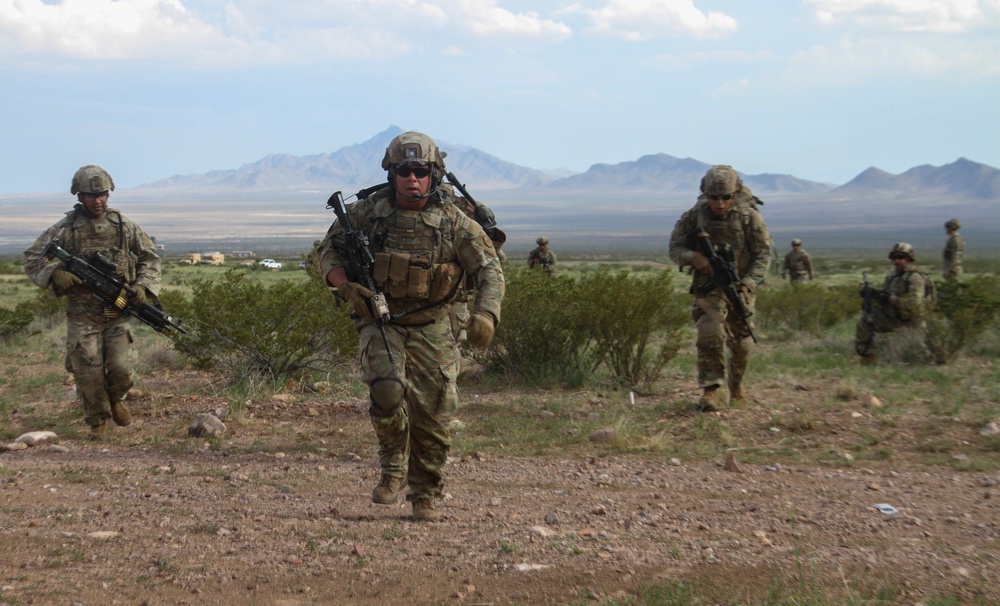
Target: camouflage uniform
<point x="798" y="266"/>
<point x="744" y="231"/>
<point x="97" y="339"/>
<point x="951" y="256"/>
<point x="414" y="439"/>
<point x="905" y="305"/>
<point x="459" y="311"/>
<point x="545" y="259"/>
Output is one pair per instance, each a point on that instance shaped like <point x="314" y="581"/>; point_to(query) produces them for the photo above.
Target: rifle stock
<point x="360" y="264"/>
<point x="101" y="279"/>
<point x="726" y="277"/>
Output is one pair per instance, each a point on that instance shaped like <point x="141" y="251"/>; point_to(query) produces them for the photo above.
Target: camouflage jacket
<point x="114" y="235"/>
<point x="440" y="236"/>
<point x="907" y="292"/>
<point x="797" y="263"/>
<point x="742" y="229"/>
<point x="545" y="259"/>
<point x="952" y="257"/>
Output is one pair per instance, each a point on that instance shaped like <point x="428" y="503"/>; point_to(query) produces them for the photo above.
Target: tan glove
<point x="357" y="296"/>
<point x="480" y="329"/>
<point x="139" y="297"/>
<point x="63" y="280"/>
<point x="702" y="264"/>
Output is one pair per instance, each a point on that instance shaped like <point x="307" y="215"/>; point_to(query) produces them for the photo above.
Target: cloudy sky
<point x="821" y="89"/>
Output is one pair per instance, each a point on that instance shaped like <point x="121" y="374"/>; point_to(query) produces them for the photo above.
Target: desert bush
<point x="809" y="308"/>
<point x="965" y="310"/>
<point x="539" y="337"/>
<point x="15" y="321"/>
<point x="253" y="332"/>
<point x="635" y="323"/>
<point x="43" y="308"/>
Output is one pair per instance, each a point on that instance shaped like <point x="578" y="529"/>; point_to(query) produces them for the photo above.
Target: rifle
<point x="100" y="276"/>
<point x="867" y="295"/>
<point x="726" y="277"/>
<point x="483" y="216"/>
<point x="360" y="264"/>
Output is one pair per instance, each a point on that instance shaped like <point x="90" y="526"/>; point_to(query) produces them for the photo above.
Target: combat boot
<point x="387" y="490"/>
<point x="709" y="400"/>
<point x="99" y="431"/>
<point x="737" y="395"/>
<point x="425" y="510"/>
<point x="120" y="413"/>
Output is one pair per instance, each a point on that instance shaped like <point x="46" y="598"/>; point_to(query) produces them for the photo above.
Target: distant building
<point x="213" y="258"/>
<point x="243" y="254"/>
<point x="191" y="259"/>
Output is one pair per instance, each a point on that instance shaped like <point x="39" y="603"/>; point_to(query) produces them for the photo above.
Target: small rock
<point x="12" y="446"/>
<point x="990" y="429"/>
<point x="542" y="531"/>
<point x="206" y="425"/>
<point x="551" y="518"/>
<point x="731" y="464"/>
<point x="57" y="448"/>
<point x="856" y="415"/>
<point x="283" y="397"/>
<point x="848" y="457"/>
<point x="36" y="438"/>
<point x="103" y="535"/>
<point x="873" y="486"/>
<point x="774" y="429"/>
<point x="602" y="435"/>
<point x="762" y="536"/>
<point x="872" y="402"/>
<point x="675" y="462"/>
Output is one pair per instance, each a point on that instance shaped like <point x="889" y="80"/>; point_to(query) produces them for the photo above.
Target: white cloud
<point x="203" y="32"/>
<point x="647" y="19"/>
<point x="105" y="29"/>
<point x="694" y="59"/>
<point x="938" y="16"/>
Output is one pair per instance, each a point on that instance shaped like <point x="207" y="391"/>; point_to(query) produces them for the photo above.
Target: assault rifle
<point x="867" y="297"/>
<point x="726" y="277"/>
<point x="100" y="276"/>
<point x="360" y="264"/>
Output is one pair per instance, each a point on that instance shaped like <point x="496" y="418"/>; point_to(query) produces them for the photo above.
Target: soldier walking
<point x="798" y="265"/>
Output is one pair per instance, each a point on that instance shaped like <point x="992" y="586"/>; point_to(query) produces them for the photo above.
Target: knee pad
<point x="387" y="396"/>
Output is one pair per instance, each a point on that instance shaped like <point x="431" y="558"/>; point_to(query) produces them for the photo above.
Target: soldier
<point x="951" y="266"/>
<point x="904" y="301"/>
<point x="424" y="246"/>
<point x="97" y="338"/>
<point x="727" y="210"/>
<point x="798" y="264"/>
<point x="542" y="256"/>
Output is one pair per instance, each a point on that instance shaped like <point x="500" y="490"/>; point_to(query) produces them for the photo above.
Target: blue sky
<point x="821" y="89"/>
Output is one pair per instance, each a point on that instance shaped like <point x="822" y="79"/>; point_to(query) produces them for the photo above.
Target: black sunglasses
<point x="417" y="171"/>
<point x="725" y="197"/>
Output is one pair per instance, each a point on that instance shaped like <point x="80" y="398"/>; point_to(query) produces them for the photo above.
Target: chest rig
<point x="415" y="262"/>
<point x="729" y="235"/>
<point x="103" y="242"/>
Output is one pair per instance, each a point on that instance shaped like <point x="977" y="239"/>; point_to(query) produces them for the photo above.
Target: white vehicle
<point x="270" y="264"/>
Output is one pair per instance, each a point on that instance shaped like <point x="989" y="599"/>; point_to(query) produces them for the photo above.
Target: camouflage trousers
<point x="876" y="321"/>
<point x="97" y="353"/>
<point x="414" y="441"/>
<point x="797" y="277"/>
<point x="718" y="327"/>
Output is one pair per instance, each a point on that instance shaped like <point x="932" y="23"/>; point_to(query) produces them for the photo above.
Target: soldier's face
<point x="412" y="184"/>
<point x="95" y="204"/>
<point x="720" y="204"/>
<point x="900" y="262"/>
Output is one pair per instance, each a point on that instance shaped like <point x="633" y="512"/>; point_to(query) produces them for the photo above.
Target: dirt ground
<point x="278" y="512"/>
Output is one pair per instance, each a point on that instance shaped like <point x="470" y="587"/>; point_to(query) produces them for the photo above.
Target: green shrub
<point x="539" y="337"/>
<point x="15" y="321"/>
<point x="965" y="310"/>
<point x="255" y="332"/>
<point x="805" y="308"/>
<point x="635" y="323"/>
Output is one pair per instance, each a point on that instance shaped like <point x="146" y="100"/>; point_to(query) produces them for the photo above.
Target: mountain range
<point x="358" y="165"/>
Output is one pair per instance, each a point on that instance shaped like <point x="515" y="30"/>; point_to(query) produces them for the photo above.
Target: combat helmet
<point x="796" y="242"/>
<point x="91" y="179"/>
<point x="721" y="180"/>
<point x="902" y="248"/>
<point x="413" y="148"/>
<point x="952" y="224"/>
<point x="542" y="241"/>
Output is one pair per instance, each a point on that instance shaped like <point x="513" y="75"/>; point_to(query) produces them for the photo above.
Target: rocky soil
<point x="277" y="511"/>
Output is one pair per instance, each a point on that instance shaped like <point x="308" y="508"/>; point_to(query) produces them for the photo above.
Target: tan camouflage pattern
<point x="907" y="307"/>
<point x="744" y="230"/>
<point x="98" y="343"/>
<point x="546" y="259"/>
<point x="414" y="442"/>
<point x="798" y="266"/>
<point x="951" y="257"/>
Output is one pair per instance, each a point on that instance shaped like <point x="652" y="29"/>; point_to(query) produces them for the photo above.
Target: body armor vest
<point x="415" y="263"/>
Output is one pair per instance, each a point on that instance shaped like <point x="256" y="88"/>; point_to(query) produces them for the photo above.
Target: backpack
<point x="930" y="289"/>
